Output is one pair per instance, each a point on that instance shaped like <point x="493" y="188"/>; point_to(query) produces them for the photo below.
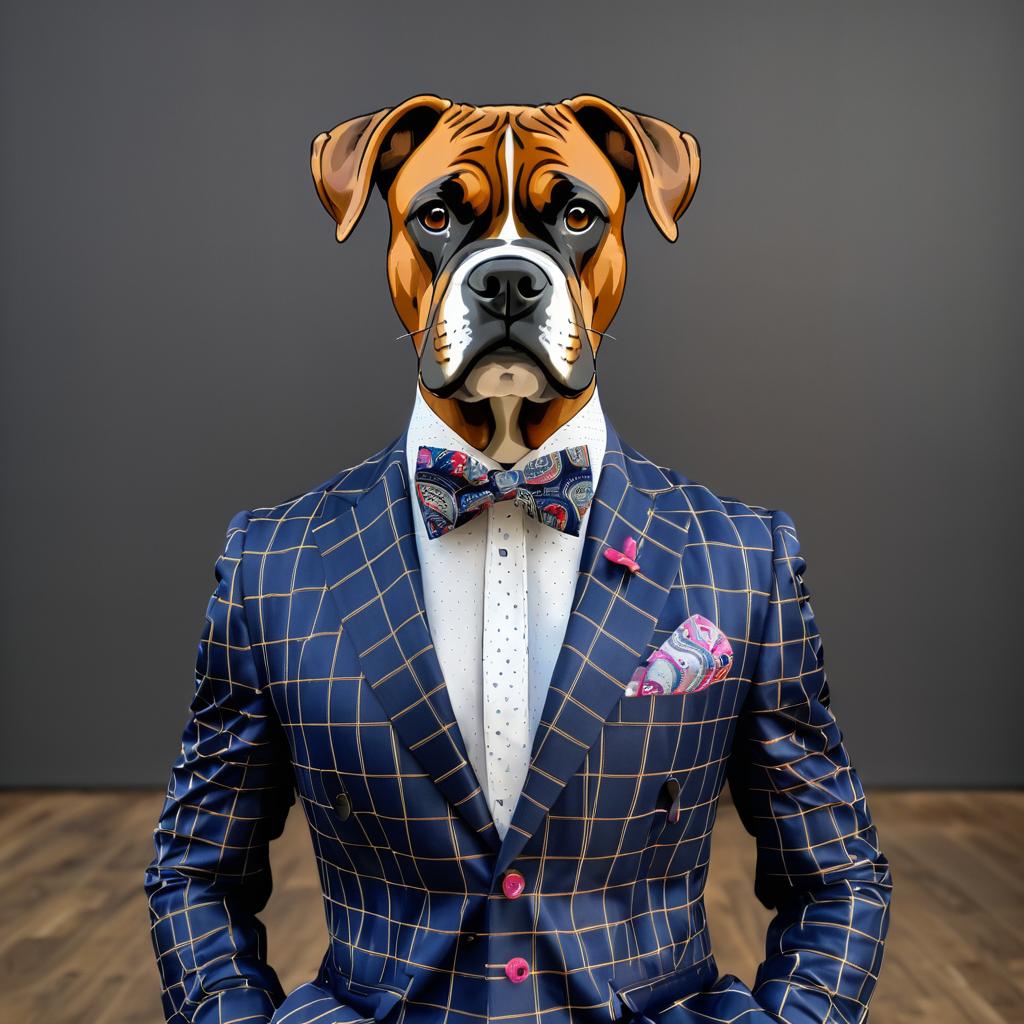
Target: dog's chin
<point x="505" y="372"/>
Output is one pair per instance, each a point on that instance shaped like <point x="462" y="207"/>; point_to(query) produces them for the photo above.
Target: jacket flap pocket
<point x="652" y="995"/>
<point x="374" y="1000"/>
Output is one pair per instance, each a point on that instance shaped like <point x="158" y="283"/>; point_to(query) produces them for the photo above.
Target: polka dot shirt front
<point x="498" y="592"/>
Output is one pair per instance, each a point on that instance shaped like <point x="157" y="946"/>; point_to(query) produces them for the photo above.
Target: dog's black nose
<point x="508" y="287"/>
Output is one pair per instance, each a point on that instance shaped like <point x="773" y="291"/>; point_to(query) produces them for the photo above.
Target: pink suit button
<point x="513" y="884"/>
<point x="517" y="969"/>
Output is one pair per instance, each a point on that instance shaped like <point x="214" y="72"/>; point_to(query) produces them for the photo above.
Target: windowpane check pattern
<point x="317" y="682"/>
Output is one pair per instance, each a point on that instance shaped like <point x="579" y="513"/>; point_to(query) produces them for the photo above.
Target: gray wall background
<point x="836" y="333"/>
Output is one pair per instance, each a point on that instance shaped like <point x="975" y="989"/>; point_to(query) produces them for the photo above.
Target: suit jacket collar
<point x="366" y="536"/>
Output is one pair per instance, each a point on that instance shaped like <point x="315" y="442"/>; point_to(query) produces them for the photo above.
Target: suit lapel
<point x="366" y="540"/>
<point x="365" y="535"/>
<point x="614" y="613"/>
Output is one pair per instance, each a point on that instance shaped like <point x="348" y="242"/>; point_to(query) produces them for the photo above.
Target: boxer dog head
<point x="506" y="261"/>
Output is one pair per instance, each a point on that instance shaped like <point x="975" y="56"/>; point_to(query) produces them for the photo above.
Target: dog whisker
<point x="409" y="334"/>
<point x="594" y="330"/>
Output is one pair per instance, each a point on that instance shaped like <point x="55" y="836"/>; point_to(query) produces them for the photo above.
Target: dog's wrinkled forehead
<point x="475" y="155"/>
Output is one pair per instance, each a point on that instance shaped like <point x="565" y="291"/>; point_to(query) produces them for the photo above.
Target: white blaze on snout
<point x="556" y="326"/>
<point x="508" y="227"/>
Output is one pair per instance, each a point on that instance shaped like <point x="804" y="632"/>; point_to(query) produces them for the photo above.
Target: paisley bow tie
<point x="453" y="488"/>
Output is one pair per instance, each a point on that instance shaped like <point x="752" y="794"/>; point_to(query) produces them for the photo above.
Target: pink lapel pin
<point x="626" y="557"/>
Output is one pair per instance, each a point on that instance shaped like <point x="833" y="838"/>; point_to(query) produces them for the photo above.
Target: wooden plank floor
<point x="74" y="927"/>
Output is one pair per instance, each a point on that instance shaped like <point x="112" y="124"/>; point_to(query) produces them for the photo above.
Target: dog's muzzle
<point x="498" y="300"/>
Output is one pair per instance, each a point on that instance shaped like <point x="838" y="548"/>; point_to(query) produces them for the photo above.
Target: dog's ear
<point x="350" y="157"/>
<point x="661" y="158"/>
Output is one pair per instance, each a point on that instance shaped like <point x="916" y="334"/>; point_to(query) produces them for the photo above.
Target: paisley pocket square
<point x="696" y="655"/>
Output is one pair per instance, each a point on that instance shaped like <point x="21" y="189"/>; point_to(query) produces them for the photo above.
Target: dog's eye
<point x="580" y="215"/>
<point x="433" y="216"/>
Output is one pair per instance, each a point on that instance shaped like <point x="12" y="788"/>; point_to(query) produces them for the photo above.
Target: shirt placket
<point x="505" y="660"/>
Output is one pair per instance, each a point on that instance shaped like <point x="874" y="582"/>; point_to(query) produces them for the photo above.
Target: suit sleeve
<point x="229" y="792"/>
<point x="819" y="865"/>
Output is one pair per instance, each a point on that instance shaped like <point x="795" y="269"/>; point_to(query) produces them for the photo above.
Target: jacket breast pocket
<point x="666" y="715"/>
<point x="647" y="732"/>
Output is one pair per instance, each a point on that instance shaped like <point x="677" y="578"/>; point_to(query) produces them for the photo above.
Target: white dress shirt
<point x="498" y="592"/>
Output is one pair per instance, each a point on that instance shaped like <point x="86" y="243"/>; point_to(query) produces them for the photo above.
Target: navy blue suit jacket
<point x="317" y="676"/>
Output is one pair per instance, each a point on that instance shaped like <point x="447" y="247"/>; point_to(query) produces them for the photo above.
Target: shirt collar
<point x="587" y="427"/>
